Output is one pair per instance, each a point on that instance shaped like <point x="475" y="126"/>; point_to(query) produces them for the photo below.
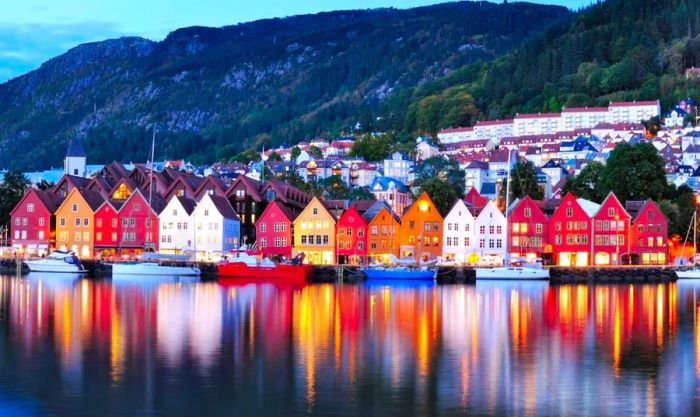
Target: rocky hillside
<point x="217" y="91"/>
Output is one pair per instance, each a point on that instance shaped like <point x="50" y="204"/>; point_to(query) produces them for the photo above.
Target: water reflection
<point x="77" y="346"/>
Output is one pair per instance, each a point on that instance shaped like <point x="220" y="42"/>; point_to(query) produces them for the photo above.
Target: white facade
<point x="490" y="235"/>
<point x="476" y="174"/>
<point x="398" y="166"/>
<point x="633" y="112"/>
<point x="176" y="228"/>
<point x="674" y="118"/>
<point x="493" y="129"/>
<point x="460" y="134"/>
<point x="74" y="165"/>
<point x="458" y="234"/>
<point x="425" y="150"/>
<point x="536" y="124"/>
<point x="214" y="232"/>
<point x="583" y="117"/>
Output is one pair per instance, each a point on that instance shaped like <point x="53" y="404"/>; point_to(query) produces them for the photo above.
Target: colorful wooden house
<point x="648" y="234"/>
<point x="33" y="224"/>
<point x="75" y="222"/>
<point x="490" y="227"/>
<point x="107" y="229"/>
<point x="383" y="226"/>
<point x="421" y="230"/>
<point x="246" y="199"/>
<point x="274" y="231"/>
<point x="314" y="234"/>
<point x="458" y="240"/>
<point x="176" y="226"/>
<point x="351" y="237"/>
<point x="570" y="231"/>
<point x="138" y="222"/>
<point x="611" y="232"/>
<point x="217" y="228"/>
<point x="527" y="229"/>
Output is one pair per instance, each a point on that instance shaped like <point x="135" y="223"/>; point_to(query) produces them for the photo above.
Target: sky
<point x="32" y="31"/>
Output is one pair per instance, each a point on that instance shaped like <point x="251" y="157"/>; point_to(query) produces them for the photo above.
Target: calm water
<point x="82" y="347"/>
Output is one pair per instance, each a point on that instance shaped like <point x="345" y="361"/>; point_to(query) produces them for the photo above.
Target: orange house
<point x="75" y="222"/>
<point x="421" y="230"/>
<point x="382" y="232"/>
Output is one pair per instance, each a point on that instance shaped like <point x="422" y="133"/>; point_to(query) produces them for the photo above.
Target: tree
<point x="360" y="193"/>
<point x="274" y="156"/>
<point x="249" y="155"/>
<point x="586" y="183"/>
<point x="315" y="151"/>
<point x="373" y="148"/>
<point x="523" y="181"/>
<point x="295" y="153"/>
<point x="442" y="179"/>
<point x="332" y="187"/>
<point x="634" y="172"/>
<point x="12" y="190"/>
<point x="44" y="185"/>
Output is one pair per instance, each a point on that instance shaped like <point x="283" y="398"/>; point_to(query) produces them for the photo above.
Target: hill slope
<point x="614" y="50"/>
<point x="214" y="92"/>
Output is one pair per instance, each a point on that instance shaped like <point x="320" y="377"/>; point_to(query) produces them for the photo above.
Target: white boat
<point x="399" y="272"/>
<point x="689" y="274"/>
<point x="693" y="273"/>
<point x="58" y="261"/>
<point x="152" y="268"/>
<point x="512" y="272"/>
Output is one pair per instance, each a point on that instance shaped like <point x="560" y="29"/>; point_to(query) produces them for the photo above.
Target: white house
<point x="398" y="166"/>
<point x="391" y="191"/>
<point x="425" y="149"/>
<point x="475" y="174"/>
<point x="490" y="228"/>
<point x="493" y="129"/>
<point x="536" y="124"/>
<point x="453" y="135"/>
<point x="633" y="112"/>
<point x="582" y="117"/>
<point x="217" y="227"/>
<point x="176" y="227"/>
<point x="458" y="240"/>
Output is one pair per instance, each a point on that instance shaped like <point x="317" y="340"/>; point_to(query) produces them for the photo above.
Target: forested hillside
<point x="217" y="91"/>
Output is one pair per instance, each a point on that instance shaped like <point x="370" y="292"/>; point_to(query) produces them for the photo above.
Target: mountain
<point x="216" y="91"/>
<point x="613" y="50"/>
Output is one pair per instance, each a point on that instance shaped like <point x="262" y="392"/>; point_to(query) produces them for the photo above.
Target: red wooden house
<point x="274" y="231"/>
<point x="611" y="233"/>
<point x="138" y="222"/>
<point x="33" y="224"/>
<point x="351" y="237"/>
<point x="527" y="229"/>
<point x="649" y="233"/>
<point x="107" y="229"/>
<point x="570" y="231"/>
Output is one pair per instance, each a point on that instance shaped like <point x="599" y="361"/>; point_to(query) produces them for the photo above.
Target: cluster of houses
<point x="121" y="212"/>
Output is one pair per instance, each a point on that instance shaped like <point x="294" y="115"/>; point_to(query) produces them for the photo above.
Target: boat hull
<point x="153" y="269"/>
<point x="243" y="270"/>
<point x="390" y="273"/>
<point x="505" y="273"/>
<point x="689" y="274"/>
<point x="55" y="267"/>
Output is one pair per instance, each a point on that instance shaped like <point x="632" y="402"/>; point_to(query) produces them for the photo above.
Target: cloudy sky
<point x="32" y="31"/>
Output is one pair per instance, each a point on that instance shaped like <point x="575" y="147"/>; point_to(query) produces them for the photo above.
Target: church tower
<point x="74" y="163"/>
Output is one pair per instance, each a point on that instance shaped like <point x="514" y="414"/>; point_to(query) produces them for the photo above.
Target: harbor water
<point x="165" y="346"/>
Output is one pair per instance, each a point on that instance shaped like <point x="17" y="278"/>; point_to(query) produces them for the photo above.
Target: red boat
<point x="246" y="264"/>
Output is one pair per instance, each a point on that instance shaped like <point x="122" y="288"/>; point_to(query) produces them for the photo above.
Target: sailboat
<point x="511" y="272"/>
<point x="152" y="264"/>
<point x="693" y="273"/>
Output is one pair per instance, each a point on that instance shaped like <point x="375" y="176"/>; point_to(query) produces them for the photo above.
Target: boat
<point x="58" y="261"/>
<point x="534" y="271"/>
<point x="694" y="272"/>
<point x="152" y="268"/>
<point x="399" y="272"/>
<point x="247" y="264"/>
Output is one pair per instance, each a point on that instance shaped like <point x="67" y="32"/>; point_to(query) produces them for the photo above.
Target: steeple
<point x="76" y="158"/>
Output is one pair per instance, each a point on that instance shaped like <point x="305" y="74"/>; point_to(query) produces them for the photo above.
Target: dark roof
<point x="362" y="205"/>
<point x="633" y="207"/>
<point x="187" y="203"/>
<point x="50" y="200"/>
<point x="75" y="148"/>
<point x="385" y="182"/>
<point x="488" y="188"/>
<point x="92" y="198"/>
<point x="372" y="212"/>
<point x="224" y="207"/>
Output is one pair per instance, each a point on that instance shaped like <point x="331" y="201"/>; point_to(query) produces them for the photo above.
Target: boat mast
<point x="149" y="236"/>
<point x="505" y="212"/>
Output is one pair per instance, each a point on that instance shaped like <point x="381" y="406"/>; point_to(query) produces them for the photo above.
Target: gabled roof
<point x="74" y="181"/>
<point x="252" y="187"/>
<point x="49" y="200"/>
<point x="615" y="200"/>
<point x="75" y="149"/>
<point x="488" y="188"/>
<point x="475" y="200"/>
<point x="187" y="203"/>
<point x="288" y="194"/>
<point x="385" y="183"/>
<point x="362" y="205"/>
<point x="275" y="204"/>
<point x="372" y="212"/>
<point x="223" y="206"/>
<point x="588" y="206"/>
<point x="475" y="164"/>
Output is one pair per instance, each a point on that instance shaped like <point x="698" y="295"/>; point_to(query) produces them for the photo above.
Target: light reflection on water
<point x="75" y="346"/>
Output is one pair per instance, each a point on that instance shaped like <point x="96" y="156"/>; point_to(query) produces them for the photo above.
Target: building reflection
<point x="501" y="348"/>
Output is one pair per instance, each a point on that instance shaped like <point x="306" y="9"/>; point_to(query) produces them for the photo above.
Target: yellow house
<point x="75" y="222"/>
<point x="314" y="234"/>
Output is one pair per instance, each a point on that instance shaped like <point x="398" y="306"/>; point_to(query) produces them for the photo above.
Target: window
<point x="482" y="230"/>
<point x="137" y="207"/>
<point x="516" y="227"/>
<point x="481" y="242"/>
<point x="315" y="211"/>
<point x="63" y="221"/>
<point x="114" y="223"/>
<point x="98" y="236"/>
<point x="650" y="215"/>
<point x="411" y="224"/>
<point x="148" y="223"/>
<point x="132" y="222"/>
<point x="18" y="221"/>
<point x="206" y="212"/>
<point x="360" y="232"/>
<point x="125" y="222"/>
<point x="569" y="212"/>
<point x="360" y="245"/>
<point x="114" y="236"/>
<point x="499" y="229"/>
<point x="659" y="241"/>
<point x="491" y="230"/>
<point x="98" y="223"/>
<point x="74" y="208"/>
<point x="466" y="227"/>
<point x="499" y="243"/>
<point x="41" y="234"/>
<point x="557" y="226"/>
<point x="373" y="230"/>
<point x="263" y="242"/>
<point x="491" y="244"/>
<point x="30" y="208"/>
<point x="466" y="241"/>
<point x="86" y="222"/>
<point x="303" y="239"/>
<point x="528" y="212"/>
<point x="538" y="228"/>
<point x="16" y="234"/>
<point x="77" y="236"/>
<point x="436" y="226"/>
<point x="426" y="226"/>
<point x="24" y="234"/>
<point x="449" y="241"/>
<point x="263" y="227"/>
<point x="77" y="221"/>
<point x="325" y="239"/>
<point x="175" y="212"/>
<point x="24" y="221"/>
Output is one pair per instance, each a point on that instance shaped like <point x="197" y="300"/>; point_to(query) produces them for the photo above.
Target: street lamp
<point x="422" y="208"/>
<point x="617" y="241"/>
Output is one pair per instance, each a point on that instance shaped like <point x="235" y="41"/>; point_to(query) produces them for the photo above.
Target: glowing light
<point x="617" y="340"/>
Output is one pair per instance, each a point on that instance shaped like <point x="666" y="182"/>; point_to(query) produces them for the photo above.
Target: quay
<point x="445" y="275"/>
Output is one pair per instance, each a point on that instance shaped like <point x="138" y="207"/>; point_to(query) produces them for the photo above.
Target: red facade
<point x="107" y="230"/>
<point x="527" y="229"/>
<point x="611" y="234"/>
<point x="138" y="224"/>
<point x="649" y="235"/>
<point x="33" y="222"/>
<point x="274" y="231"/>
<point x="351" y="237"/>
<point x="570" y="233"/>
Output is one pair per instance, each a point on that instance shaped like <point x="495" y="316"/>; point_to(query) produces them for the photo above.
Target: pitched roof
<point x="75" y="148"/>
<point x="92" y="198"/>
<point x="223" y="206"/>
<point x="284" y="209"/>
<point x="187" y="203"/>
<point x="253" y="187"/>
<point x="385" y="183"/>
<point x="372" y="212"/>
<point x="588" y="206"/>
